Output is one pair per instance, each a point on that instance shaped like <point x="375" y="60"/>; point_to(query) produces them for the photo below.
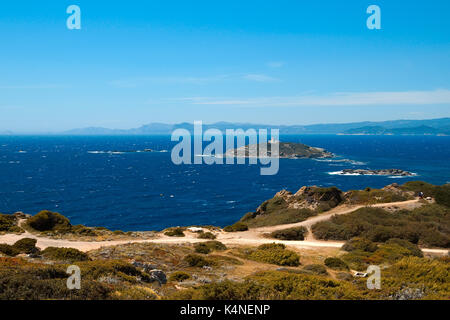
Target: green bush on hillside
<point x="49" y="221"/>
<point x="26" y="245"/>
<point x="175" y="232"/>
<point x="275" y="254"/>
<point x="206" y="235"/>
<point x="8" y="250"/>
<point x="194" y="260"/>
<point x="238" y="226"/>
<point x="8" y="222"/>
<point x="179" y="276"/>
<point x="64" y="254"/>
<point x="297" y="233"/>
<point x="316" y="269"/>
<point x="360" y="244"/>
<point x="335" y="264"/>
<point x="202" y="248"/>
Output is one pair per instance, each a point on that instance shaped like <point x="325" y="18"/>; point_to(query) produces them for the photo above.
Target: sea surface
<point x="103" y="181"/>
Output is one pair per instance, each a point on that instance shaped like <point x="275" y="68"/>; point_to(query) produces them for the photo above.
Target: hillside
<point x="266" y="262"/>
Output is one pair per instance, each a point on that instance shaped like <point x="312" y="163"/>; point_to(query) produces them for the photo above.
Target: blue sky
<point x="278" y="62"/>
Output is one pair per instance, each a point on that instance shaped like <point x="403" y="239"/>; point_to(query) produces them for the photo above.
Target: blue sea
<point x="81" y="178"/>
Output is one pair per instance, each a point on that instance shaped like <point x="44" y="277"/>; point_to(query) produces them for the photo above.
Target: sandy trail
<point x="253" y="236"/>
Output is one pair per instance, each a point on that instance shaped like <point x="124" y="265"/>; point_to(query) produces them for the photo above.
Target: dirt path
<point x="251" y="237"/>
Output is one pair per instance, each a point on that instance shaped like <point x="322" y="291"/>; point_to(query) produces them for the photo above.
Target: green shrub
<point x="7" y="222"/>
<point x="238" y="226"/>
<point x="394" y="250"/>
<point x="64" y="254"/>
<point x="194" y="260"/>
<point x="275" y="254"/>
<point x="8" y="250"/>
<point x="273" y="245"/>
<point x="208" y="246"/>
<point x="202" y="248"/>
<point x="216" y="245"/>
<point x="179" y="276"/>
<point x="49" y="221"/>
<point x="26" y="245"/>
<point x="317" y="269"/>
<point x="359" y="244"/>
<point x="118" y="232"/>
<point x="335" y="264"/>
<point x="83" y="230"/>
<point x="175" y="232"/>
<point x="297" y="233"/>
<point x="206" y="235"/>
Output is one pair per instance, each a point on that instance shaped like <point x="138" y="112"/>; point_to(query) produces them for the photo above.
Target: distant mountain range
<point x="395" y="127"/>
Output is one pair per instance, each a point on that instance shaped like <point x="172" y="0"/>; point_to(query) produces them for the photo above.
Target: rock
<point x="158" y="275"/>
<point x="381" y="172"/>
<point x="147" y="267"/>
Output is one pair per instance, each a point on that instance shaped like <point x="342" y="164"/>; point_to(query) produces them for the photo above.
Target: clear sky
<point x="276" y="62"/>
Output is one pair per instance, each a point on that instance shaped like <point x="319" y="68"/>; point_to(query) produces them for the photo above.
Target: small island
<point x="381" y="172"/>
<point x="289" y="150"/>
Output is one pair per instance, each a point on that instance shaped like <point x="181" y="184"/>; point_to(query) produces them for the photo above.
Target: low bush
<point x="316" y="269"/>
<point x="49" y="221"/>
<point x="175" y="232"/>
<point x="238" y="226"/>
<point x="202" y="248"/>
<point x="64" y="254"/>
<point x="297" y="233"/>
<point x="179" y="276"/>
<point x="8" y="222"/>
<point x="8" y="250"/>
<point x="275" y="254"/>
<point x="194" y="260"/>
<point x="26" y="245"/>
<point x="206" y="235"/>
<point x="84" y="231"/>
<point x="216" y="245"/>
<point x="208" y="246"/>
<point x="359" y="244"/>
<point x="335" y="264"/>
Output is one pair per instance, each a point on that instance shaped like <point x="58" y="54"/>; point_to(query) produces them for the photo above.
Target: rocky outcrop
<point x="381" y="172"/>
<point x="306" y="198"/>
<point x="154" y="273"/>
